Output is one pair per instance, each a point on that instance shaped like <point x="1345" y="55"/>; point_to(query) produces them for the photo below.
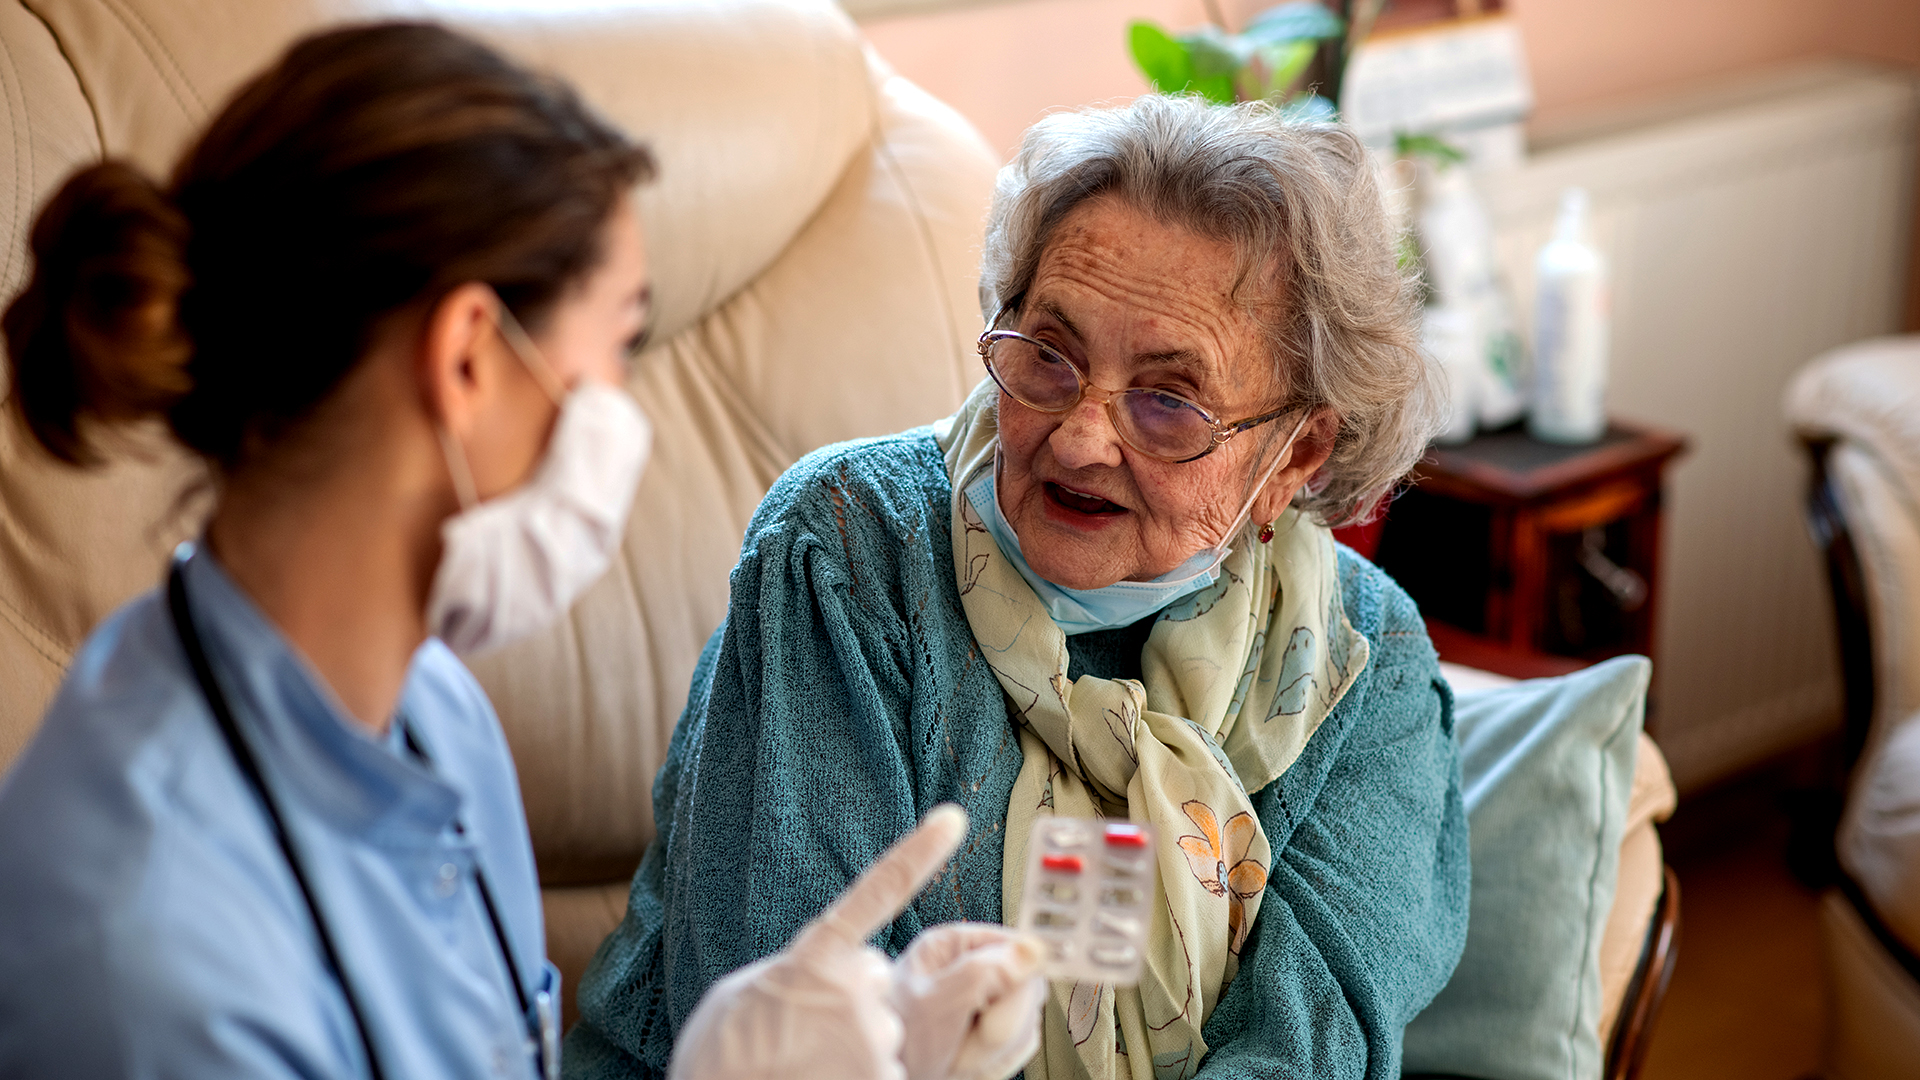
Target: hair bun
<point x="96" y="331"/>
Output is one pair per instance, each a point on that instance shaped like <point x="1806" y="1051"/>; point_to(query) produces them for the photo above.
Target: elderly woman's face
<point x="1134" y="302"/>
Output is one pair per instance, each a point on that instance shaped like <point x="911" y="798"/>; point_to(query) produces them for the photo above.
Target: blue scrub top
<point x="149" y="924"/>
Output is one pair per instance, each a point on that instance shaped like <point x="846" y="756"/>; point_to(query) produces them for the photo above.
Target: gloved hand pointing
<point x="960" y="1005"/>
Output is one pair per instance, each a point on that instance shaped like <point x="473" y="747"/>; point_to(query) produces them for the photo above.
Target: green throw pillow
<point x="1548" y="766"/>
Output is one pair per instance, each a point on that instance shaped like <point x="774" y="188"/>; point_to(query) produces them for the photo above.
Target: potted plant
<point x="1293" y="55"/>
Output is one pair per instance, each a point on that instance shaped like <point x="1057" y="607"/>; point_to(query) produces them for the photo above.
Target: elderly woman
<point x="1105" y="586"/>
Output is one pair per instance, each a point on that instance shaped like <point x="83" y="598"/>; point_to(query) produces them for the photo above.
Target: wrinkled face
<point x="1133" y="302"/>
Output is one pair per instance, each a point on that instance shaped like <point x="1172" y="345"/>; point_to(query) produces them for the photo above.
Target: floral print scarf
<point x="1237" y="678"/>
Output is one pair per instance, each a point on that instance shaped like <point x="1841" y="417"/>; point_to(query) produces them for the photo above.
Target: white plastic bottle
<point x="1457" y="238"/>
<point x="1450" y="334"/>
<point x="1570" y="332"/>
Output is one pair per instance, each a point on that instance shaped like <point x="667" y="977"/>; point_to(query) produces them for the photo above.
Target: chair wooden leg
<point x="1648" y="988"/>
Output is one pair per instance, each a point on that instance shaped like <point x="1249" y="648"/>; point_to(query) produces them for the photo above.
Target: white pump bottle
<point x="1571" y="331"/>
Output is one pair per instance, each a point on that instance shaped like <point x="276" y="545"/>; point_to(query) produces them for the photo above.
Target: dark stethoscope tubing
<point x="249" y="767"/>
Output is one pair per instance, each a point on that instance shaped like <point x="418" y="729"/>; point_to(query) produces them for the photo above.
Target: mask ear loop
<point x="463" y="486"/>
<point x="521" y="343"/>
<point x="1221" y="550"/>
<point x="522" y="346"/>
<point x="1285" y="455"/>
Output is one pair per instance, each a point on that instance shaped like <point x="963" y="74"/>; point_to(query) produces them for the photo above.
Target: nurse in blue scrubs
<point x="270" y="827"/>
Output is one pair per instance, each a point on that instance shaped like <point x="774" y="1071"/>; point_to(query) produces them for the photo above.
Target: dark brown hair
<point x="370" y="168"/>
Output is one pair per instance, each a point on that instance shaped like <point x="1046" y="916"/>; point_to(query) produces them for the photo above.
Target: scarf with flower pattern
<point x="1219" y="714"/>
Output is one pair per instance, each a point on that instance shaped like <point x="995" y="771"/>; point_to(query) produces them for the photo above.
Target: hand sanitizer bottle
<point x="1570" y="332"/>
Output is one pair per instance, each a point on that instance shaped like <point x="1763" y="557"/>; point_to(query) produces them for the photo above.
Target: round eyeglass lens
<point x="1039" y="378"/>
<point x="1150" y="421"/>
<point x="1162" y="424"/>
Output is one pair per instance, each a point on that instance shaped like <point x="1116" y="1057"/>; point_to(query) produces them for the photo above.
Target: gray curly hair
<point x="1299" y="203"/>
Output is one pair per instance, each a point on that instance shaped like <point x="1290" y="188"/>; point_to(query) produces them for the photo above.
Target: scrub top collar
<point x="360" y="784"/>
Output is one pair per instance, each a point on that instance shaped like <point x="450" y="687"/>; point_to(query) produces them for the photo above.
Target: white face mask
<point x="514" y="564"/>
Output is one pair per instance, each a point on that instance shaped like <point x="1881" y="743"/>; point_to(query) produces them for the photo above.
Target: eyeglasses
<point x="1159" y="424"/>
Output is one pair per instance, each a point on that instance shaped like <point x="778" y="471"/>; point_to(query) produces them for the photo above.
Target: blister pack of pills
<point x="1089" y="896"/>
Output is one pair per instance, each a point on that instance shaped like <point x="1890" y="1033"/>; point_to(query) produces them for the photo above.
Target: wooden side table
<point x="1535" y="547"/>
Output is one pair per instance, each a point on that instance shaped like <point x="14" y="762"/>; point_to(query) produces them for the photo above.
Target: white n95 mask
<point x="514" y="564"/>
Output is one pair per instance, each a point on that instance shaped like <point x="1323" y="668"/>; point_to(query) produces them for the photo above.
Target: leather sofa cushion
<point x="754" y="107"/>
<point x="812" y="235"/>
<point x="818" y="349"/>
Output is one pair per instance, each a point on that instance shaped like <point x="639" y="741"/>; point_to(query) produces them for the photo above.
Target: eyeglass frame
<point x="1221" y="432"/>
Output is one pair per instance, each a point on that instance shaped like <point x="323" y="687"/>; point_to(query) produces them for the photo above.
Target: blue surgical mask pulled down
<point x="1078" y="611"/>
<point x="1123" y="603"/>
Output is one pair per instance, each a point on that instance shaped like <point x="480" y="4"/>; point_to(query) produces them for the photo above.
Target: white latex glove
<point x="822" y="1007"/>
<point x="969" y="996"/>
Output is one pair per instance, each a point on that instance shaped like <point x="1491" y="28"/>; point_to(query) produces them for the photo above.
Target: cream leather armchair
<point x="813" y="237"/>
<point x="1858" y="411"/>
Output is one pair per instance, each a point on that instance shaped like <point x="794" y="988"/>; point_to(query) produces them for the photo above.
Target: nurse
<point x="269" y="826"/>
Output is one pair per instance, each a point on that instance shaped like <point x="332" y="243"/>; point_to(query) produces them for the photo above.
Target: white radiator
<point x="1749" y="229"/>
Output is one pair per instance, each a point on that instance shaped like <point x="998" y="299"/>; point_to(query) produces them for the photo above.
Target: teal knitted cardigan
<point x="844" y="697"/>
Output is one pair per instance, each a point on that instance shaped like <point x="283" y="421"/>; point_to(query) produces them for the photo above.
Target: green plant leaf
<point x="1219" y="89"/>
<point x="1164" y="61"/>
<point x="1218" y="61"/>
<point x="1284" y="63"/>
<point x="1214" y="53"/>
<point x="1301" y="20"/>
<point x="1310" y="107"/>
<point x="1443" y="153"/>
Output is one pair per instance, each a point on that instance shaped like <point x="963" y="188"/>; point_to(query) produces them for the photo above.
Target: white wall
<point x="1747" y="233"/>
<point x="1005" y="63"/>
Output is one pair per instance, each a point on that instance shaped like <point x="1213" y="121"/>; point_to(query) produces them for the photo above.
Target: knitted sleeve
<point x="1365" y="913"/>
<point x="843" y="696"/>
<point x="787" y="774"/>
